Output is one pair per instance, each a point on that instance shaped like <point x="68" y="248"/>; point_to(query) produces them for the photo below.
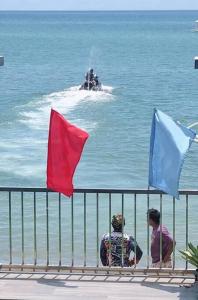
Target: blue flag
<point x="169" y="144"/>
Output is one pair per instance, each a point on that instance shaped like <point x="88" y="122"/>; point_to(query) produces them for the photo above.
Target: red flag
<point x="65" y="146"/>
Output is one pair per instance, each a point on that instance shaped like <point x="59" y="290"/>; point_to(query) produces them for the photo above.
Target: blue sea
<point x="145" y="60"/>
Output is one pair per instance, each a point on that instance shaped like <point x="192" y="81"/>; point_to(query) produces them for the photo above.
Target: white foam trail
<point x="20" y="156"/>
<point x="26" y="157"/>
<point x="36" y="114"/>
<point x="105" y="89"/>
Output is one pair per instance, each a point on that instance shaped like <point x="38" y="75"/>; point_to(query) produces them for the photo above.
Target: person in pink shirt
<point x="167" y="241"/>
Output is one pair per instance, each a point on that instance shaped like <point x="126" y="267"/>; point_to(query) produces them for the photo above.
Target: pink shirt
<point x="155" y="243"/>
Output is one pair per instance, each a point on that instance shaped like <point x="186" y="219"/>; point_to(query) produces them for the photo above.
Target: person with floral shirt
<point x="116" y="247"/>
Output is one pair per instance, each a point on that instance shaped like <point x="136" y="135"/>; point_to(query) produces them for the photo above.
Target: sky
<point x="98" y="4"/>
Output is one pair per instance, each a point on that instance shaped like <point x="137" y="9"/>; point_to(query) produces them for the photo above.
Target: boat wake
<point x="36" y="113"/>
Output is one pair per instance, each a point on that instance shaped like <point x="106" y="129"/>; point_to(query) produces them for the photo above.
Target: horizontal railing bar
<point x="69" y="274"/>
<point x="102" y="191"/>
<point x="95" y="275"/>
<point x="98" y="269"/>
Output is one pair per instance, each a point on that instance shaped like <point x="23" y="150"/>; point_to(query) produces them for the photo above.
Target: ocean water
<point x="145" y="60"/>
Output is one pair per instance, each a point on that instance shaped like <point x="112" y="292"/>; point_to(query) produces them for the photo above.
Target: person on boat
<point x="85" y="86"/>
<point x="96" y="81"/>
<point x="116" y="247"/>
<point x="88" y="85"/>
<point x="89" y="75"/>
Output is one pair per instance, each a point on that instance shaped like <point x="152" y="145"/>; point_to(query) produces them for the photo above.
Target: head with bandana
<point x="117" y="222"/>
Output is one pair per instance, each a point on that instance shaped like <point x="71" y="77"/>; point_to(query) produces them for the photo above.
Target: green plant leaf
<point x="190" y="254"/>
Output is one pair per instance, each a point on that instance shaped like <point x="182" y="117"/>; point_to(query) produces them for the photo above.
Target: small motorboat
<point x="92" y="82"/>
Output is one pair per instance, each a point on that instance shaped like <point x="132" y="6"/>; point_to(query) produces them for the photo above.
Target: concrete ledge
<point x="38" y="286"/>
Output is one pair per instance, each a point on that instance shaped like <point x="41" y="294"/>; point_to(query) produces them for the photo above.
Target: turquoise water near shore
<point x="147" y="57"/>
<point x="144" y="58"/>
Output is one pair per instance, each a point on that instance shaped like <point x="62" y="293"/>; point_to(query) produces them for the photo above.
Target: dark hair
<point x="154" y="215"/>
<point x="117" y="222"/>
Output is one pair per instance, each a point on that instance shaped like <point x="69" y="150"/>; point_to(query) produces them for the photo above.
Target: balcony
<point x="41" y="230"/>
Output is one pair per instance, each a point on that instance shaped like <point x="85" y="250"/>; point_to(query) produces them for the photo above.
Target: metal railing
<point x="43" y="230"/>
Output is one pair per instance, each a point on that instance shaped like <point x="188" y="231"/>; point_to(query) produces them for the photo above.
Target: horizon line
<point x="94" y="10"/>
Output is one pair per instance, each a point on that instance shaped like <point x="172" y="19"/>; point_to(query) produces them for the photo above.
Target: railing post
<point x="85" y="231"/>
<point x="173" y="233"/>
<point x="22" y="230"/>
<point x="110" y="230"/>
<point x="72" y="229"/>
<point x="186" y="227"/>
<point x="161" y="231"/>
<point x="35" y="239"/>
<point x="135" y="228"/>
<point x="59" y="228"/>
<point x="10" y="229"/>
<point x="148" y="232"/>
<point x="122" y="228"/>
<point x="47" y="227"/>
<point x="97" y="230"/>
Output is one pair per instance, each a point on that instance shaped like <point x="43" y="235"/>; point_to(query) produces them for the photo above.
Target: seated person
<point x="111" y="250"/>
